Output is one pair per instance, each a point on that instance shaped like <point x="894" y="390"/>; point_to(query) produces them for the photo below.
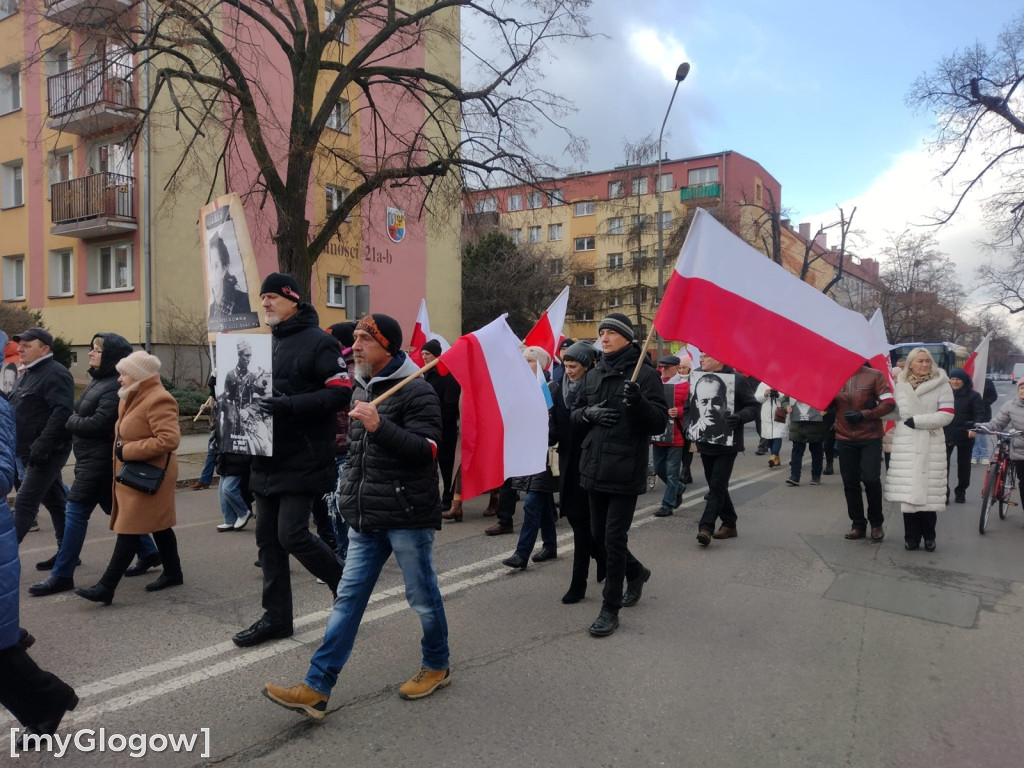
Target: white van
<point x="1018" y="372"/>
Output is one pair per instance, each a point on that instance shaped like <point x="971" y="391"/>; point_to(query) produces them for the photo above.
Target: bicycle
<point x="999" y="484"/>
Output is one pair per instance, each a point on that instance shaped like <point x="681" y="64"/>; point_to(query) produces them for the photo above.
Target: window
<point x="614" y="189"/>
<point x="62" y="279"/>
<point x="8" y="8"/>
<point x="58" y="165"/>
<point x="583" y="244"/>
<point x="758" y="190"/>
<point x="585" y="278"/>
<point x="639" y="222"/>
<point x="615" y="226"/>
<point x="12" y="184"/>
<point x="556" y="266"/>
<point x="534" y="200"/>
<point x="336" y="285"/>
<point x="640" y="186"/>
<point x="640" y="295"/>
<point x="516" y="236"/>
<point x="110" y="268"/>
<point x="335" y="197"/>
<point x="58" y="60"/>
<point x="665" y="182"/>
<point x="14" y="278"/>
<point x="555" y="197"/>
<point x="665" y="221"/>
<point x="554" y="231"/>
<point x="515" y="202"/>
<point x="340" y="116"/>
<point x="699" y="176"/>
<point x="584" y="208"/>
<point x="534" y="234"/>
<point x="638" y="259"/>
<point x="615" y="300"/>
<point x="10" y="88"/>
<point x="584" y="316"/>
<point x="614" y="261"/>
<point x="342" y="36"/>
<point x="486" y="205"/>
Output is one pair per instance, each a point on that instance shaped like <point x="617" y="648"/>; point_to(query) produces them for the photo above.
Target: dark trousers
<point x="31" y="694"/>
<point x="717" y="471"/>
<point x="860" y="463"/>
<point x="583" y="550"/>
<point x="446" y="465"/>
<point x="507" y="500"/>
<point x="964" y="451"/>
<point x="918" y="525"/>
<point x="282" y="529"/>
<point x="797" y="459"/>
<point x="127" y="546"/>
<point x="42" y="485"/>
<point x="611" y="515"/>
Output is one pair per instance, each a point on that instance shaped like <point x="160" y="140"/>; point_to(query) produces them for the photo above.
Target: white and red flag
<point x="747" y="311"/>
<point x="977" y="364"/>
<point x="504" y="416"/>
<point x="421" y="335"/>
<point x="547" y="332"/>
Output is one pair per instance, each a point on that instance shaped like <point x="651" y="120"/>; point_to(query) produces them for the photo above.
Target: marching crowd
<point x="378" y="475"/>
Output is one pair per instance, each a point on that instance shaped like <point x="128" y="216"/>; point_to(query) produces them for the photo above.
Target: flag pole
<point x="381" y="398"/>
<point x="643" y="354"/>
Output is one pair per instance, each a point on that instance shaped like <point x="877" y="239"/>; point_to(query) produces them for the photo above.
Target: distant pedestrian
<point x="807" y="431"/>
<point x="774" y="420"/>
<point x="668" y="455"/>
<point x="968" y="410"/>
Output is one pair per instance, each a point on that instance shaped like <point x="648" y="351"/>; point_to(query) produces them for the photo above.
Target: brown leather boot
<point x="455" y="513"/>
<point x="492" y="504"/>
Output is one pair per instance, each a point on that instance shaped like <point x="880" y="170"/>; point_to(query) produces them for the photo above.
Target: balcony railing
<point x="700" y="191"/>
<point x="93" y="98"/>
<point x="93" y="205"/>
<point x="89" y="13"/>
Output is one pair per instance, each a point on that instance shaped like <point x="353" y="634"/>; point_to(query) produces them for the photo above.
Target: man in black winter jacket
<point x="42" y="400"/>
<point x="617" y="417"/>
<point x="308" y="389"/>
<point x="389" y="498"/>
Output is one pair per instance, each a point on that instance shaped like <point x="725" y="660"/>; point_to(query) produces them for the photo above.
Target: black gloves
<point x="853" y="417"/>
<point x="631" y="393"/>
<point x="279" y="405"/>
<point x="733" y="420"/>
<point x="909" y="422"/>
<point x="117" y="450"/>
<point x="601" y="414"/>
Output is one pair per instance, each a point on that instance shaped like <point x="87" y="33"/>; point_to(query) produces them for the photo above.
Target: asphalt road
<point x="787" y="646"/>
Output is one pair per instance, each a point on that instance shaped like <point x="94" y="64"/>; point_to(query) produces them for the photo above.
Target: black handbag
<point x="141" y="476"/>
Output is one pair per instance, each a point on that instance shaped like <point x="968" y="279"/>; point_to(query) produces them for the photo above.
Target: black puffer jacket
<point x="968" y="409"/>
<point x="614" y="459"/>
<point x="42" y="400"/>
<point x="307" y="370"/>
<point x="92" y="426"/>
<point x="390" y="478"/>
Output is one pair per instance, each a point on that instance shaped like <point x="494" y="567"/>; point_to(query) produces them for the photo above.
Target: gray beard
<point x="272" y="321"/>
<point x="364" y="371"/>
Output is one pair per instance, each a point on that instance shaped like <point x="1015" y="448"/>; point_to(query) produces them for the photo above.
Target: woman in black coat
<point x="968" y="410"/>
<point x="92" y="436"/>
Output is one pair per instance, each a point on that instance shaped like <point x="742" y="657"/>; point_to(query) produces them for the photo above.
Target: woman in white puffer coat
<point x="917" y="470"/>
<point x="771" y="430"/>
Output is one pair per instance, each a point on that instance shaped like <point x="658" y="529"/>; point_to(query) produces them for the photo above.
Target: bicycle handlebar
<point x="982" y="430"/>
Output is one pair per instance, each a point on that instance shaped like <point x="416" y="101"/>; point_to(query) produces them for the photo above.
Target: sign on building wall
<point x="396" y="224"/>
<point x="232" y="278"/>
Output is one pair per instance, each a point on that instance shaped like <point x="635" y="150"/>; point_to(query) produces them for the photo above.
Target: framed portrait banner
<point x="243" y="379"/>
<point x="712" y="398"/>
<point x="229" y="267"/>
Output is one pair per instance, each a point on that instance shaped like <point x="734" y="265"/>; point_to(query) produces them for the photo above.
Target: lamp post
<point x="681" y="73"/>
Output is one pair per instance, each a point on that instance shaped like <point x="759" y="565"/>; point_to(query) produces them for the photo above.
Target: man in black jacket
<point x="617" y="417"/>
<point x="308" y="389"/>
<point x="389" y="497"/>
<point x="42" y="400"/>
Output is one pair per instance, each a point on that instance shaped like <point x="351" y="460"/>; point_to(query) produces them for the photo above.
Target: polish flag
<point x="504" y="416"/>
<point x="978" y="361"/>
<point x="421" y="335"/>
<point x="742" y="308"/>
<point x="547" y="332"/>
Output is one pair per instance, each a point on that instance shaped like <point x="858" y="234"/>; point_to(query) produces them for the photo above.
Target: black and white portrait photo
<point x="243" y="379"/>
<point x="712" y="398"/>
<point x="230" y="307"/>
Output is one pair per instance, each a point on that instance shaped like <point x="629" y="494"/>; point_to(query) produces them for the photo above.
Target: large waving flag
<point x="747" y="311"/>
<point x="977" y="364"/>
<point x="547" y="332"/>
<point x="504" y="416"/>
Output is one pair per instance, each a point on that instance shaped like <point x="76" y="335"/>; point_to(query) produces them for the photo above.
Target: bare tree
<point x="187" y="335"/>
<point x="975" y="96"/>
<point x="214" y="65"/>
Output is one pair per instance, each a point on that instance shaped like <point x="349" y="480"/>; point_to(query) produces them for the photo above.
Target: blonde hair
<point x="906" y="372"/>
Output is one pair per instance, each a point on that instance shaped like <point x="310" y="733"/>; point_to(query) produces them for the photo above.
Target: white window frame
<point x="12" y="184"/>
<point x="615" y="300"/>
<point x="514" y="203"/>
<point x="516" y="236"/>
<point x="581" y="244"/>
<point x="105" y="278"/>
<point x="615" y="261"/>
<point x="637" y="257"/>
<point x="340" y="119"/>
<point x="585" y="279"/>
<point x="616" y="225"/>
<point x="665" y="182"/>
<point x="584" y="316"/>
<point x="10" y="88"/>
<point x="616" y="189"/>
<point x="554" y="231"/>
<point x="583" y="208"/>
<point x="534" y="200"/>
<point x="638" y="221"/>
<point x="555" y="197"/>
<point x="664" y="222"/>
<point x="8" y="8"/>
<point x="534" y="234"/>
<point x="486" y="205"/>
<point x="639" y="185"/>
<point x="335" y="195"/>
<point x="14" y="278"/>
<point x="62" y="272"/>
<point x="696" y="177"/>
<point x="335" y="294"/>
<point x="329" y="13"/>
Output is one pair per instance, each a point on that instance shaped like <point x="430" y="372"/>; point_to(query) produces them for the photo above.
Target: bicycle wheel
<point x="986" y="497"/>
<point x="1005" y="490"/>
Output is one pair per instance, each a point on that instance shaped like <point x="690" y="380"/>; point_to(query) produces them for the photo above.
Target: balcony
<point x="91" y="99"/>
<point x="96" y="205"/>
<point x="700" y="192"/>
<point x="89" y="13"/>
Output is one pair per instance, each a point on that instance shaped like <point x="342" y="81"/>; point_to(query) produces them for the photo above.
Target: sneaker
<point x="425" y="682"/>
<point x="299" y="697"/>
<point x="704" y="537"/>
<point x="242" y="521"/>
<point x="815" y="480"/>
<point x="225" y="527"/>
<point x="635" y="589"/>
<point x="792" y="480"/>
<point x="662" y="512"/>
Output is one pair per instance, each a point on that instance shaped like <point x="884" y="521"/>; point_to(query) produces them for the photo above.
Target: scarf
<point x="569" y="390"/>
<point x="915" y="381"/>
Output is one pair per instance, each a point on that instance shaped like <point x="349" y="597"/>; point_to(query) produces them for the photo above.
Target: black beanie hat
<point x="282" y="285"/>
<point x="343" y="333"/>
<point x="384" y="329"/>
<point x="433" y="347"/>
<point x="619" y="323"/>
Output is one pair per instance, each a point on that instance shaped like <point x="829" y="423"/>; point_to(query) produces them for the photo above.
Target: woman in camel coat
<point x="147" y="430"/>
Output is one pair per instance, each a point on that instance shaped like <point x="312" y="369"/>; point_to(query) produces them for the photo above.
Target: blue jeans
<point x="667" y="459"/>
<point x="76" y="524"/>
<point x="776" y="446"/>
<point x="232" y="505"/>
<point x="538" y="515"/>
<point x="206" y="476"/>
<point x="367" y="553"/>
<point x="981" y="449"/>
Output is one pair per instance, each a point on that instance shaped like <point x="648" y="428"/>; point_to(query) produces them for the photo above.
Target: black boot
<point x="828" y="469"/>
<point x="606" y="623"/>
<point x="99" y="593"/>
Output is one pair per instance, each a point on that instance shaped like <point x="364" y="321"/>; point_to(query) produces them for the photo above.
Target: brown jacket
<point x="866" y="386"/>
<point x="147" y="426"/>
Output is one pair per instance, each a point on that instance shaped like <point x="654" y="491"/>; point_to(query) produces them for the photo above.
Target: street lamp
<point x="681" y="73"/>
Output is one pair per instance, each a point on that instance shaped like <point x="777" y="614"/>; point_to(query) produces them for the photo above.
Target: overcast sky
<point x="814" y="91"/>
